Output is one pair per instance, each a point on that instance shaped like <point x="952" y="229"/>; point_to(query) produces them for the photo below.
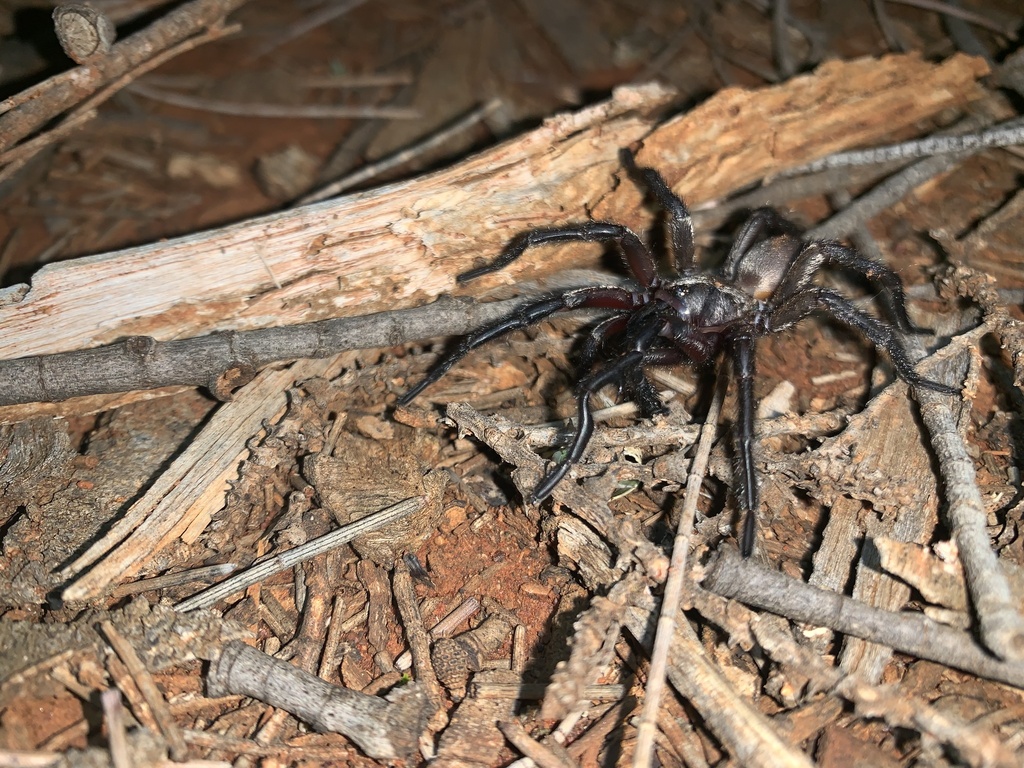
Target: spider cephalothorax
<point x="765" y="285"/>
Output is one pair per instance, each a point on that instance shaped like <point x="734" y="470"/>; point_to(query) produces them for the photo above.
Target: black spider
<point x="764" y="286"/>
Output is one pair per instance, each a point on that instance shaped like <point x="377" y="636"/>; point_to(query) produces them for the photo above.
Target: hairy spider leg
<point x="679" y="222"/>
<point x="823" y="253"/>
<point x="598" y="336"/>
<point x="528" y="314"/>
<point x="639" y="260"/>
<point x="742" y="349"/>
<point x="638" y="386"/>
<point x="825" y="300"/>
<point x="760" y="225"/>
<point x="585" y="417"/>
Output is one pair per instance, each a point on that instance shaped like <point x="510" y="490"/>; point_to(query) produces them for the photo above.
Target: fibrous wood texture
<point x="403" y="244"/>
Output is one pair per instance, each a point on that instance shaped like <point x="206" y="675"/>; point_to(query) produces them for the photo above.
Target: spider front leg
<point x="528" y="314"/>
<point x="639" y="260"/>
<point x="680" y="224"/>
<point x="750" y="495"/>
<point x="620" y="370"/>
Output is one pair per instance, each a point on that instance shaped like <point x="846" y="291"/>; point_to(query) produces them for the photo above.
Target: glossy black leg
<point x="881" y="335"/>
<point x="639" y="260"/>
<point x="679" y="222"/>
<point x="749" y="493"/>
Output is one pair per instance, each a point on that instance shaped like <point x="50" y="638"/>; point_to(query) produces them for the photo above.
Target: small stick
<point x="113" y="713"/>
<point x="318" y="18"/>
<point x="385" y="729"/>
<point x="296" y="555"/>
<point x="259" y="109"/>
<point x="915" y="634"/>
<point x="381" y="616"/>
<point x="141" y="362"/>
<point x="415" y="632"/>
<point x="974" y="743"/>
<point x="535" y="691"/>
<point x="401" y="157"/>
<point x="444" y="628"/>
<point x="780" y="45"/>
<point x="187" y="489"/>
<point x="544" y="756"/>
<point x="18" y="155"/>
<point x="1000" y="623"/>
<point x="648" y="726"/>
<point x="330" y="655"/>
<point x="741" y="728"/>
<point x="1004" y="135"/>
<point x="206" y="573"/>
<point x="147" y="687"/>
<point x="948" y="9"/>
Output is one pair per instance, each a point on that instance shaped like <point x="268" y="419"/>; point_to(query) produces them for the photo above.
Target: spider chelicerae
<point x="765" y="285"/>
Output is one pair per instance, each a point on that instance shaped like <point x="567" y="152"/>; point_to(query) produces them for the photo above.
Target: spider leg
<point x="680" y="225"/>
<point x="880" y="334"/>
<point x="528" y="314"/>
<point x="823" y="253"/>
<point x="639" y="387"/>
<point x="638" y="259"/>
<point x="643" y="393"/>
<point x="762" y="223"/>
<point x="619" y="369"/>
<point x="750" y="498"/>
<point x="597" y="338"/>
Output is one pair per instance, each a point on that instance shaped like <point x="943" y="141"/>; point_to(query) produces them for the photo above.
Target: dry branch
<point x="748" y="582"/>
<point x="24" y="116"/>
<point x="384" y="729"/>
<point x="141" y="362"/>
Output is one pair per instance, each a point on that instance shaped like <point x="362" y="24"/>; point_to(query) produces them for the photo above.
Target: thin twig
<point x="415" y="633"/>
<point x="951" y="10"/>
<point x="175" y="27"/>
<point x="141" y="362"/>
<point x="1006" y="134"/>
<point x="974" y="743"/>
<point x="541" y="754"/>
<point x="147" y="687"/>
<point x="327" y="14"/>
<point x="292" y="557"/>
<point x="444" y="628"/>
<point x="385" y="729"/>
<point x="334" y="632"/>
<point x="889" y="30"/>
<point x="895" y="188"/>
<point x="206" y="573"/>
<point x="117" y="735"/>
<point x="259" y="109"/>
<point x="647" y="729"/>
<point x="741" y="728"/>
<point x="780" y="39"/>
<point x="963" y="36"/>
<point x="1000" y="623"/>
<point x="16" y="157"/>
<point x="403" y="156"/>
